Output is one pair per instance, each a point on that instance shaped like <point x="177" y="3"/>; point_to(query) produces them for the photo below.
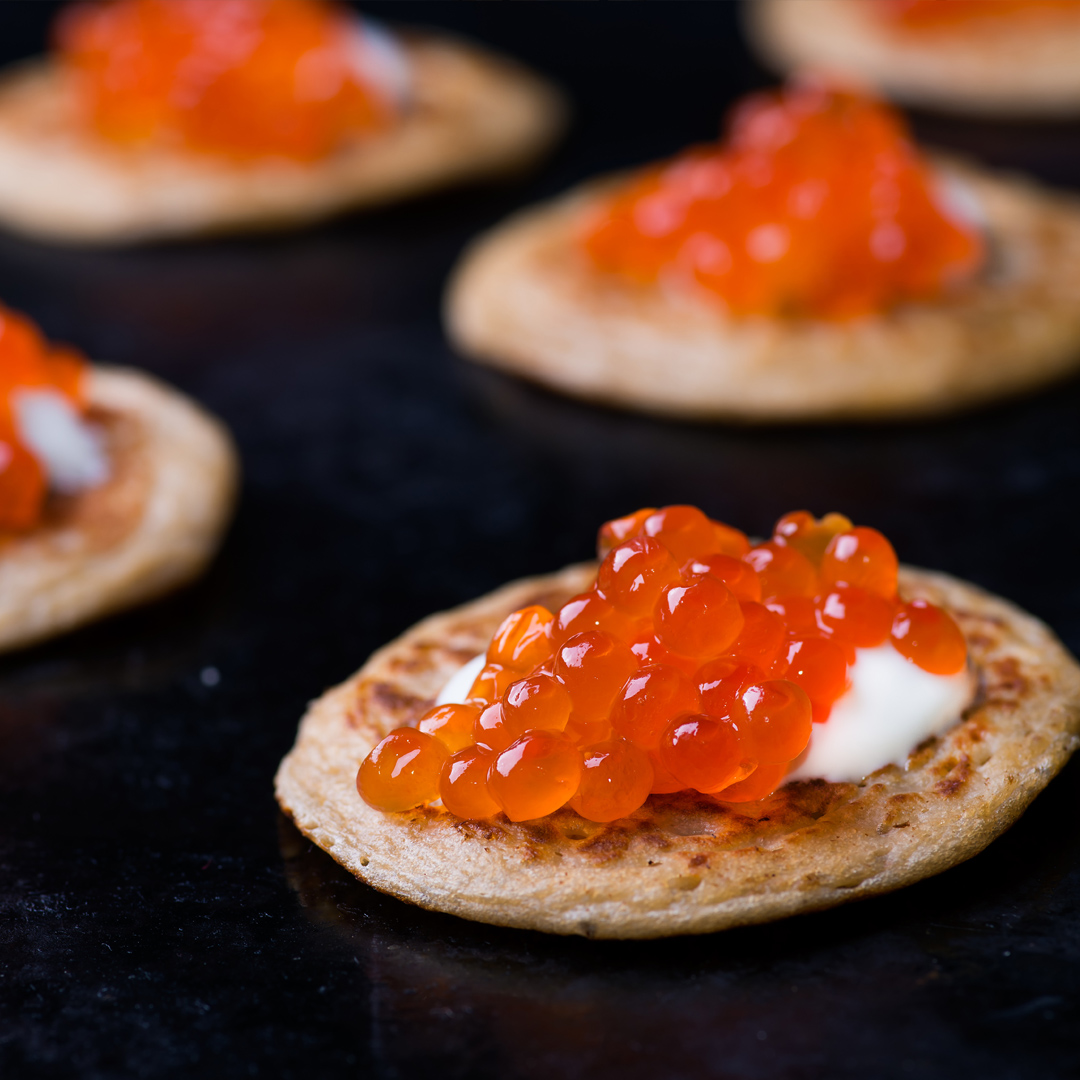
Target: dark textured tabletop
<point x="158" y="917"/>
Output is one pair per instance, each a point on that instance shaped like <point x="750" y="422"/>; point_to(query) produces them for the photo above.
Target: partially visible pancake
<point x="151" y="527"/>
<point x="1022" y="66"/>
<point x="683" y="863"/>
<point x="473" y="114"/>
<point x="526" y="298"/>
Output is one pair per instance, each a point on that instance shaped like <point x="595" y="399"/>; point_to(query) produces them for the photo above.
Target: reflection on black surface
<point x="924" y="965"/>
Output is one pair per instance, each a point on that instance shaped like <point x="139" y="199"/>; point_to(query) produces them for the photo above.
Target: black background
<point x="158" y="918"/>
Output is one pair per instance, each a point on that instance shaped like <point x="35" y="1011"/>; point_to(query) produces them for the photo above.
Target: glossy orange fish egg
<point x="402" y="771"/>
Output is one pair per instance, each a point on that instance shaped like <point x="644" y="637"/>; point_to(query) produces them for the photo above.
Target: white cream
<point x="890" y="707"/>
<point x="69" y="449"/>
<point x="379" y="60"/>
<point x="457" y="689"/>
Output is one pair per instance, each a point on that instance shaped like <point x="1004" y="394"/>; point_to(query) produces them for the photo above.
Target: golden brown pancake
<point x="684" y="863"/>
<point x="151" y="527"/>
<point x="526" y="299"/>
<point x="473" y="114"/>
<point x="998" y="67"/>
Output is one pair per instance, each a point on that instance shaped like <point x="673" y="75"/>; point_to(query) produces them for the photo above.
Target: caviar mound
<point x="816" y="204"/>
<point x="150" y="528"/>
<point x="238" y="78"/>
<point x="1006" y="62"/>
<point x="526" y="300"/>
<point x="471" y="114"/>
<point x="667" y="674"/>
<point x="685" y="863"/>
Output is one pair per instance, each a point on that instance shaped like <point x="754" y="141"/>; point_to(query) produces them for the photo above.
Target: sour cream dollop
<point x="890" y="707"/>
<point x="70" y="450"/>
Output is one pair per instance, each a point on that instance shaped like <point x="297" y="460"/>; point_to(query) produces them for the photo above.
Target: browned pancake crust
<point x="102" y="516"/>
<point x="685" y="863"/>
<point x="526" y="298"/>
<point x="997" y="67"/>
<point x="151" y="527"/>
<point x="473" y="114"/>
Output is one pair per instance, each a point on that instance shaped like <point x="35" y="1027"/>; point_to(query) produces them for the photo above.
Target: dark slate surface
<point x="158" y="919"/>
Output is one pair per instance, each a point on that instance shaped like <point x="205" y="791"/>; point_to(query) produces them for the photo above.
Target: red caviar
<point x="239" y="78"/>
<point x="28" y="361"/>
<point x="616" y="779"/>
<point x="663" y="676"/>
<point x="930" y="14"/>
<point x="818" y="204"/>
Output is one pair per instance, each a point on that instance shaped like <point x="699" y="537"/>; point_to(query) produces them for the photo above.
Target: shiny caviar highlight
<point x="696" y="661"/>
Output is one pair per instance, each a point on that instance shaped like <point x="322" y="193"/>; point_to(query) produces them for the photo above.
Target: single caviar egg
<point x="615" y="532"/>
<point x="634" y="574"/>
<point x="594" y="666"/>
<point x="704" y="752"/>
<point x="799" y="614"/>
<point x="737" y="575"/>
<point x="523" y="639"/>
<point x="783" y="571"/>
<point x="452" y="725"/>
<point x="779" y="721"/>
<point x="492" y="682"/>
<point x="539" y="701"/>
<point x="402" y="771"/>
<point x="463" y="784"/>
<point x="589" y="611"/>
<point x="855" y="616"/>
<point x="761" y="643"/>
<point x="721" y="683"/>
<point x="699" y="618"/>
<point x="760" y="784"/>
<point x="806" y="534"/>
<point x="684" y="530"/>
<point x="929" y="637"/>
<point x="651" y="698"/>
<point x="819" y="667"/>
<point x="490" y="731"/>
<point x="535" y="775"/>
<point x="864" y="558"/>
<point x="616" y="778"/>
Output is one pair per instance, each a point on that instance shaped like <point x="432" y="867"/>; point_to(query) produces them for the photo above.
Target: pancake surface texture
<point x="685" y="864"/>
<point x="991" y="66"/>
<point x="472" y="114"/>
<point x="151" y="527"/>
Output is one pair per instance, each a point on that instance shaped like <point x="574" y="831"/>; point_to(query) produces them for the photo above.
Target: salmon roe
<point x="683" y="667"/>
<point x="240" y="78"/>
<point x="818" y="205"/>
<point x="931" y="14"/>
<point x="28" y="361"/>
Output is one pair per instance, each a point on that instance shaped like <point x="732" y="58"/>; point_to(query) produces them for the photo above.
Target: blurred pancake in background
<point x="166" y="118"/>
<point x="984" y="57"/>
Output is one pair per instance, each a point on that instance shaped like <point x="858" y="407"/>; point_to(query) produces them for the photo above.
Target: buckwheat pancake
<point x="1018" y="67"/>
<point x="473" y="114"/>
<point x="526" y="299"/>
<point x="684" y="863"/>
<point x="151" y="527"/>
